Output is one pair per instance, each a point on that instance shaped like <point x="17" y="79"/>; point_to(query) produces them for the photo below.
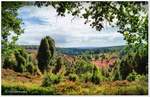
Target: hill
<point x="79" y="50"/>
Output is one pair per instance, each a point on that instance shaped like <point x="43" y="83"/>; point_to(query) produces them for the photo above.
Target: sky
<point x="41" y="22"/>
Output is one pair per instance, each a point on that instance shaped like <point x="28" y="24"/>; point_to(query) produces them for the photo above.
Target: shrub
<point x="86" y="77"/>
<point x="9" y="62"/>
<point x="24" y="62"/>
<point x="97" y="76"/>
<point x="134" y="60"/>
<point x="115" y="74"/>
<point x="50" y="79"/>
<point x="96" y="57"/>
<point x="58" y="65"/>
<point x="31" y="68"/>
<point x="96" y="79"/>
<point x="133" y="76"/>
<point x="69" y="71"/>
<point x="45" y="53"/>
<point x="21" y="68"/>
<point x="21" y="58"/>
<point x="143" y="78"/>
<point x="125" y="67"/>
<point x="68" y="88"/>
<point x="82" y="67"/>
<point x="73" y="77"/>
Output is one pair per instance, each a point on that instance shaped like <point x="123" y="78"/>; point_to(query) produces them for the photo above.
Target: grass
<point x="21" y="90"/>
<point x="105" y="88"/>
<point x="25" y="89"/>
<point x="21" y="85"/>
<point x="75" y="88"/>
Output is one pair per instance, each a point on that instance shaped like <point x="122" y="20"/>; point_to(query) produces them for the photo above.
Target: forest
<point x="49" y="70"/>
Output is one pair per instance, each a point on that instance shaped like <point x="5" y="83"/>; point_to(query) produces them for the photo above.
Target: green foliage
<point x="133" y="76"/>
<point x="133" y="60"/>
<point x="82" y="67"/>
<point x="105" y="71"/>
<point x="73" y="77"/>
<point x="115" y="73"/>
<point x="59" y="64"/>
<point x="97" y="57"/>
<point x="21" y="61"/>
<point x="31" y="68"/>
<point x="97" y="76"/>
<point x="11" y="90"/>
<point x="45" y="53"/>
<point x="9" y="62"/>
<point x="116" y="76"/>
<point x="11" y="29"/>
<point x="125" y="69"/>
<point x="87" y="77"/>
<point x="11" y="26"/>
<point x="50" y="79"/>
<point x="75" y="88"/>
<point x="143" y="78"/>
<point x="96" y="79"/>
<point x="68" y="88"/>
<point x="69" y="69"/>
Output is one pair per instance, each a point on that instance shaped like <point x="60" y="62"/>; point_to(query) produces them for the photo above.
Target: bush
<point x="133" y="76"/>
<point x="31" y="65"/>
<point x="96" y="79"/>
<point x="68" y="88"/>
<point x="31" y="68"/>
<point x="73" y="77"/>
<point x="9" y="62"/>
<point x="58" y="65"/>
<point x="21" y="58"/>
<point x="115" y="74"/>
<point x="97" y="76"/>
<point x="82" y="67"/>
<point x="96" y="57"/>
<point x="143" y="78"/>
<point x="20" y="61"/>
<point x="24" y="62"/>
<point x="134" y="60"/>
<point x="86" y="77"/>
<point x="50" y="79"/>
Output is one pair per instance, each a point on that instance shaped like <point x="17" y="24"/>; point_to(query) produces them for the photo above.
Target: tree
<point x="11" y="26"/>
<point x="45" y="53"/>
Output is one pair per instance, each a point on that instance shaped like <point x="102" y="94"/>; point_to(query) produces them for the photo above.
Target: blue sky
<point x="39" y="22"/>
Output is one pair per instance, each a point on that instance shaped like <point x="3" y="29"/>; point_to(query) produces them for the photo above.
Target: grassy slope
<point x="16" y="83"/>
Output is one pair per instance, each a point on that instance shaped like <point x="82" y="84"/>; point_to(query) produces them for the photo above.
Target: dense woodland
<point x="47" y="70"/>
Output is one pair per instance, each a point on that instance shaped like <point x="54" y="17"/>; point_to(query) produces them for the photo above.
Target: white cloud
<point x="40" y="22"/>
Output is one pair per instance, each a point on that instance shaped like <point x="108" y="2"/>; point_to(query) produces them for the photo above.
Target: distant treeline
<point x="78" y="51"/>
<point x="30" y="47"/>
